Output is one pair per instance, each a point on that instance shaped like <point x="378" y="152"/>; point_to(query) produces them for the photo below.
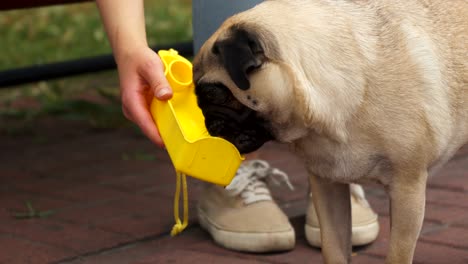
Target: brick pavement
<point x="111" y="194"/>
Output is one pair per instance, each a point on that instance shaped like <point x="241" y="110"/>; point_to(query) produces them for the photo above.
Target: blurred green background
<point x="57" y="33"/>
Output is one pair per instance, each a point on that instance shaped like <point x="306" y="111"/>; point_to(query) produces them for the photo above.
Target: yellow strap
<point x="180" y="226"/>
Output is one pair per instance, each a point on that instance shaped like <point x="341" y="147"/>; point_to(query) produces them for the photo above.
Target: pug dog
<point x="363" y="91"/>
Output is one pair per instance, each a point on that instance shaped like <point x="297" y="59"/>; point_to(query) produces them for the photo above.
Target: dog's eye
<point x="215" y="49"/>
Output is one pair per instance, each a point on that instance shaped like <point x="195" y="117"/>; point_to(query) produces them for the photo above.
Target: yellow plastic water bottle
<point x="182" y="127"/>
<point x="192" y="150"/>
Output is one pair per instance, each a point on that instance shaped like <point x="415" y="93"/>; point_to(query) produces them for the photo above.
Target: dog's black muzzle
<point x="227" y="118"/>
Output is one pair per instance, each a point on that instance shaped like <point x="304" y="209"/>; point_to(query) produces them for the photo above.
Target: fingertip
<point x="154" y="136"/>
<point x="164" y="93"/>
<point x="159" y="142"/>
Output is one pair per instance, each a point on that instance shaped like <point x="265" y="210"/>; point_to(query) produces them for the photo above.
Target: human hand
<point x="141" y="74"/>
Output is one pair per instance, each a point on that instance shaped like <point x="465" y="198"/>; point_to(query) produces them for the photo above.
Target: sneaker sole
<point x="361" y="235"/>
<point x="248" y="242"/>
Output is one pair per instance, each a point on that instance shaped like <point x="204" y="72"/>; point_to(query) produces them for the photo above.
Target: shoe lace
<point x="252" y="180"/>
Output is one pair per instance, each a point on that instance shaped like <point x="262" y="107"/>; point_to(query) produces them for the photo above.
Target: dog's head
<point x="239" y="85"/>
<point x="242" y="86"/>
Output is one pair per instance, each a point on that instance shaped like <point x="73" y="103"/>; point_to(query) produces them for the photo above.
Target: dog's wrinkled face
<point x="226" y="117"/>
<point x="233" y="76"/>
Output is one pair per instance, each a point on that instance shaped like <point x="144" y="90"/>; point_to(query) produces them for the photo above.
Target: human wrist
<point x="125" y="49"/>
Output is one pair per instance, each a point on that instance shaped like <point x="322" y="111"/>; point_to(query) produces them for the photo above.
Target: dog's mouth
<point x="227" y="118"/>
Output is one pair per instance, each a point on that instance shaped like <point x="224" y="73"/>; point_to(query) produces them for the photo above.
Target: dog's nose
<point x="213" y="93"/>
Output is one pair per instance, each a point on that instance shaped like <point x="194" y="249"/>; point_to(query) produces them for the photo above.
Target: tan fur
<point x="364" y="91"/>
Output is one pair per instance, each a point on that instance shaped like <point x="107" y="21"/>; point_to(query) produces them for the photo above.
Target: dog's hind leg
<point x="333" y="205"/>
<point x="407" y="201"/>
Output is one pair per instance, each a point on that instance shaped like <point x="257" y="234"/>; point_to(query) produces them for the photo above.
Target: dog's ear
<point x="240" y="53"/>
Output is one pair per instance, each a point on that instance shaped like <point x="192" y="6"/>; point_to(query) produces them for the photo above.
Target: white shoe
<point x="243" y="216"/>
<point x="365" y="224"/>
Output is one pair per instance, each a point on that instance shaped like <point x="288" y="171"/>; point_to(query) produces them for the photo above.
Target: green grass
<point x="48" y="34"/>
<point x="57" y="33"/>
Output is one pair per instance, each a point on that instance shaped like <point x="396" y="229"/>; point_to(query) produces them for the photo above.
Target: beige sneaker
<point x="365" y="224"/>
<point x="243" y="216"/>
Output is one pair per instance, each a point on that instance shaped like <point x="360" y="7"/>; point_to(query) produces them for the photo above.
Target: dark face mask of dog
<point x="227" y="118"/>
<point x="241" y="55"/>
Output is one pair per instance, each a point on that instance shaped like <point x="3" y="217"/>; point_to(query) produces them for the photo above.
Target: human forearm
<point x="124" y="22"/>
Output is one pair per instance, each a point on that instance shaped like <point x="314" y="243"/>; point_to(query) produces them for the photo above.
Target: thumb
<point x="153" y="73"/>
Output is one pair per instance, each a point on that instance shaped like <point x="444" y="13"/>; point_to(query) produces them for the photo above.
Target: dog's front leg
<point x="407" y="201"/>
<point x="332" y="202"/>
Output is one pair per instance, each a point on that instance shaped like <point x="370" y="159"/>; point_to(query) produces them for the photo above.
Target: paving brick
<point x="452" y="177"/>
<point x="441" y="213"/>
<point x="116" y="170"/>
<point x="86" y="156"/>
<point x="98" y="212"/>
<point x="12" y="203"/>
<point x="186" y="256"/>
<point x="82" y="193"/>
<point x="448" y="198"/>
<point x="80" y="239"/>
<point x="366" y="259"/>
<point x="16" y="250"/>
<point x="46" y="187"/>
<point x="140" y="179"/>
<point x="140" y="250"/>
<point x="302" y="253"/>
<point x="9" y="175"/>
<point x="275" y="152"/>
<point x="380" y="246"/>
<point x="380" y="204"/>
<point x="452" y="182"/>
<point x="428" y="253"/>
<point x="140" y="225"/>
<point x="194" y="187"/>
<point x="444" y="214"/>
<point x="450" y="236"/>
<point x="462" y="222"/>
